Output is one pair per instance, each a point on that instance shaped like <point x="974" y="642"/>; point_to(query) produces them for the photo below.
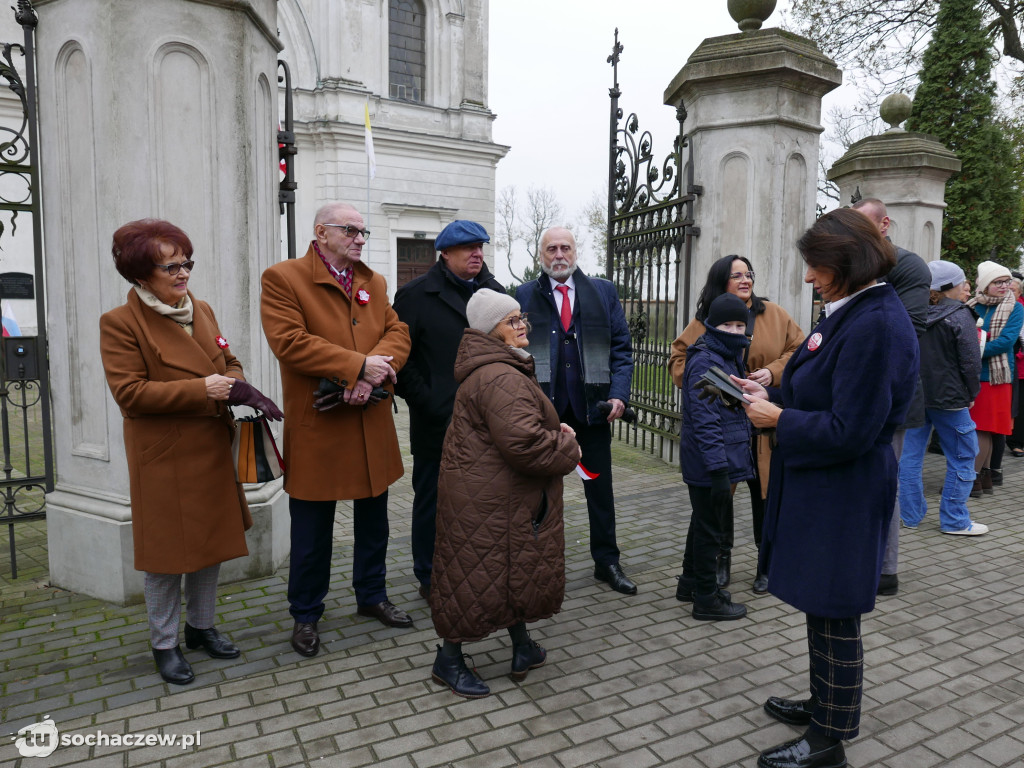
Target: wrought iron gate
<point x="650" y="233"/>
<point x="24" y="367"/>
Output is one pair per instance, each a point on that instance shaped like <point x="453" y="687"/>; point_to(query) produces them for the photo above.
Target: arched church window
<point x="406" y="54"/>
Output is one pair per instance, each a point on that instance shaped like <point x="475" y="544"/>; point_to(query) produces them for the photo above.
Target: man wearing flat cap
<point x="434" y="307"/>
<point x="584" y="357"/>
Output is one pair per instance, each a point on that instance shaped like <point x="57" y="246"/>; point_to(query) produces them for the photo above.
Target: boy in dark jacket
<point x="950" y="370"/>
<point x="714" y="451"/>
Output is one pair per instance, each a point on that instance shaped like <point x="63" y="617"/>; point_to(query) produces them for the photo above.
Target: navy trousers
<point x="596" y="444"/>
<point x="312" y="538"/>
<point x="424" y="516"/>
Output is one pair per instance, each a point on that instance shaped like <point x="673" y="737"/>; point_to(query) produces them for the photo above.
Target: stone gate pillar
<point x="906" y="171"/>
<point x="753" y="111"/>
<point x="167" y="109"/>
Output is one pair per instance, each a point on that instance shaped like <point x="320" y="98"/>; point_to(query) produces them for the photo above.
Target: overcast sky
<point x="549" y="83"/>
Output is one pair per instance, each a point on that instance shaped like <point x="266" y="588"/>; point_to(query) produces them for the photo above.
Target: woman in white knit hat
<point x="499" y="557"/>
<point x="1002" y="318"/>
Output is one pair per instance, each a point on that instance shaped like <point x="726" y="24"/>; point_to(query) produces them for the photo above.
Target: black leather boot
<point x="172" y="665"/>
<point x="717" y="608"/>
<point x="212" y="641"/>
<point x="453" y="672"/>
<point x="724" y="570"/>
<point x="686" y="588"/>
<point x="525" y="657"/>
<point x="760" y="582"/>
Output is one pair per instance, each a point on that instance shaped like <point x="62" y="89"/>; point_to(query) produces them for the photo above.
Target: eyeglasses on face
<point x="740" y="275"/>
<point x="1001" y="281"/>
<point x="173" y="269"/>
<point x="351" y="231"/>
<point x="518" y="321"/>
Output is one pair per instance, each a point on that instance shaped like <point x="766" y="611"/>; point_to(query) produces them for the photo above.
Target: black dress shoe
<point x="724" y="569"/>
<point x="760" y="583"/>
<point x="790" y="711"/>
<point x="171" y="664"/>
<point x="612" y="575"/>
<point x="687" y="586"/>
<point x="424" y="591"/>
<point x="306" y="638"/>
<point x="215" y="644"/>
<point x="453" y="672"/>
<point x="800" y="754"/>
<point x="888" y="584"/>
<point x="526" y="657"/>
<point x="386" y="613"/>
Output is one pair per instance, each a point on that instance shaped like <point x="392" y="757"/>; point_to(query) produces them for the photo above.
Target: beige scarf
<point x="998" y="365"/>
<point x="181" y="313"/>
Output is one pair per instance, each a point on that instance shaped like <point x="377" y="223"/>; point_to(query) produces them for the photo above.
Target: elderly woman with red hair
<point x="172" y="373"/>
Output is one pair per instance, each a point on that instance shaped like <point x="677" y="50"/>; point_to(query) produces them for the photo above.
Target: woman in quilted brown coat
<point x="499" y="559"/>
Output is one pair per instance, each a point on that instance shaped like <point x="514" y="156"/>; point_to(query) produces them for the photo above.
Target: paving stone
<point x="630" y="681"/>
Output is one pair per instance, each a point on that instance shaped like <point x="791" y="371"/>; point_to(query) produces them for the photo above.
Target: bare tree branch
<point x="506" y="211"/>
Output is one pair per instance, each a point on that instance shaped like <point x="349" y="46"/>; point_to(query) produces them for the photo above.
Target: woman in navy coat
<point x="844" y="392"/>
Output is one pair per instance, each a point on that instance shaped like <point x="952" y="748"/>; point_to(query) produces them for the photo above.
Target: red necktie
<point x="346" y="281"/>
<point x="566" y="309"/>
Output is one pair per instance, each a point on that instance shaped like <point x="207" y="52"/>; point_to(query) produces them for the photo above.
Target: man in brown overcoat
<point x="327" y="316"/>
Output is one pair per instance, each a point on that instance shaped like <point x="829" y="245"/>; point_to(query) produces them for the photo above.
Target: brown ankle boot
<point x="986" y="480"/>
<point x="976" y="489"/>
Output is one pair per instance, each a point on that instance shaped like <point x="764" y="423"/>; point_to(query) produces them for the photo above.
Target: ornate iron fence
<point x="650" y="233"/>
<point x="24" y="369"/>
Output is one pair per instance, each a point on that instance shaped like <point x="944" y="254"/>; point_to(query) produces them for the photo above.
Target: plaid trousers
<point x="837" y="674"/>
<point x="163" y="603"/>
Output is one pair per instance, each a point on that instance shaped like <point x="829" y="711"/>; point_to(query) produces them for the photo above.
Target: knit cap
<point x="486" y="308"/>
<point x="727" y="307"/>
<point x="989" y="271"/>
<point x="945" y="275"/>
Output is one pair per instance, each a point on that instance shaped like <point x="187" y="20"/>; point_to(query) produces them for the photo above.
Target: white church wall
<point x="435" y="160"/>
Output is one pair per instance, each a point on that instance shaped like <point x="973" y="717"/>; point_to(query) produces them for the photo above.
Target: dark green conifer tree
<point x="955" y="103"/>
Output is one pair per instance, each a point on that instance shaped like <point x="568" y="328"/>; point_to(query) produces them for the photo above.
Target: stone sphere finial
<point x="750" y="14"/>
<point x="895" y="109"/>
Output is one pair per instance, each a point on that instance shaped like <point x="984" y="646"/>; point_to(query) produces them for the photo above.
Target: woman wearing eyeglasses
<point x="1002" y="317"/>
<point x="774" y="336"/>
<point x="499" y="557"/>
<point x="172" y="373"/>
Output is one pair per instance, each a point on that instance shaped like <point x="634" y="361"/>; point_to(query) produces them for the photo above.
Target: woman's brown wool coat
<point x="188" y="511"/>
<point x="501" y="468"/>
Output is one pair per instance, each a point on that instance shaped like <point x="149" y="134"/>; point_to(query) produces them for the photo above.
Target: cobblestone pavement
<point x="630" y="681"/>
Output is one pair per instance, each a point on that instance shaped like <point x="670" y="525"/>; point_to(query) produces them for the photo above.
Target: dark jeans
<point x="703" y="538"/>
<point x="424" y="516"/>
<point x="596" y="444"/>
<point x="312" y="537"/>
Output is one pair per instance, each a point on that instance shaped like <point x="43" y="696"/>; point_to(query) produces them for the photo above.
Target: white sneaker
<point x="974" y="529"/>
